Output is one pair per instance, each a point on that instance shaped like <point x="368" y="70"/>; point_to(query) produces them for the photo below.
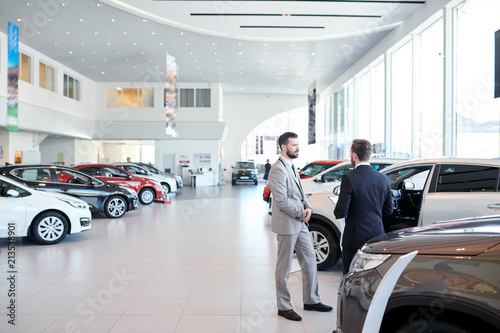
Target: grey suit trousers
<point x="302" y="244"/>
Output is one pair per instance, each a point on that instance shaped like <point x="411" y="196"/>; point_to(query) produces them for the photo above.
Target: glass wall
<point x="429" y="138"/>
<point x="402" y="101"/>
<point x="477" y="112"/>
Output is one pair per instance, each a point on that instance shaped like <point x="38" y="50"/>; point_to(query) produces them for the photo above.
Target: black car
<point x="103" y="197"/>
<point x="452" y="285"/>
<point x="244" y="172"/>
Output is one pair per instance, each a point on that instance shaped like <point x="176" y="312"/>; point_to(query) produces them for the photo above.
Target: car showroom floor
<point x="203" y="263"/>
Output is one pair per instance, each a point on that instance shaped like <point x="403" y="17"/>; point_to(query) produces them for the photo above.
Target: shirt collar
<point x="287" y="161"/>
<point x="363" y="163"/>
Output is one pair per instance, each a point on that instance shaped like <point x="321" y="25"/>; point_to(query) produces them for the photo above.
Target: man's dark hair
<point x="283" y="139"/>
<point x="362" y="148"/>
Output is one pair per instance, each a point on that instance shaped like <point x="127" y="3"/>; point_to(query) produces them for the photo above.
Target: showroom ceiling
<point x="271" y="47"/>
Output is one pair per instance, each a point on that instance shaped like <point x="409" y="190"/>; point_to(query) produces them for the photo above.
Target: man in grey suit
<point x="291" y="213"/>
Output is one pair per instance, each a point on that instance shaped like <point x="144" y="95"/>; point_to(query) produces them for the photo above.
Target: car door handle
<point x="494" y="206"/>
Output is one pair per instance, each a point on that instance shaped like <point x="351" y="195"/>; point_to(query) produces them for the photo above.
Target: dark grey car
<point x="452" y="285"/>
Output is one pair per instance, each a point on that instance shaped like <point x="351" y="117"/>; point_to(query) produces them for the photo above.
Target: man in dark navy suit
<point x="365" y="195"/>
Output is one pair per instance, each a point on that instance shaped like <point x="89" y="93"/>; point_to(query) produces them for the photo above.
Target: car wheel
<point x="165" y="187"/>
<point x="433" y="326"/>
<point x="49" y="228"/>
<point x="256" y="182"/>
<point x="326" y="246"/>
<point x="115" y="207"/>
<point x="234" y="182"/>
<point x="146" y="196"/>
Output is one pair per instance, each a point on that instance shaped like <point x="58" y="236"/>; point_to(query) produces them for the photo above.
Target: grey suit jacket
<point x="289" y="202"/>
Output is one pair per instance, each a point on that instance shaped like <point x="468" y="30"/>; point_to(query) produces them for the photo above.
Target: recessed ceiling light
<point x="142" y="52"/>
<point x="213" y="44"/>
<point x="81" y="20"/>
<point x="313" y="54"/>
<point x="240" y="53"/>
<point x="113" y="20"/>
<point x="217" y="60"/>
<point x="55" y="43"/>
<point x="161" y="43"/>
<point x="187" y="44"/>
<point x="182" y="33"/>
<point x="292" y="44"/>
<point x="19" y="20"/>
<point x="39" y="32"/>
<point x="105" y="60"/>
<point x="215" y="52"/>
<point x="83" y="59"/>
<point x="50" y="20"/>
<point x="153" y="33"/>
<point x="93" y="66"/>
<point x="108" y="43"/>
<point x="264" y="53"/>
<point x="241" y="88"/>
<point x="262" y="61"/>
<point x="67" y="32"/>
<point x="134" y="43"/>
<point x="98" y="4"/>
<point x="124" y="32"/>
<point x="265" y="44"/>
<point x="114" y="66"/>
<point x="241" y="73"/>
<point x="70" y="52"/>
<point x="194" y="60"/>
<point x="28" y="4"/>
<point x="94" y="52"/>
<point x="96" y="33"/>
<point x="318" y="45"/>
<point x="82" y="43"/>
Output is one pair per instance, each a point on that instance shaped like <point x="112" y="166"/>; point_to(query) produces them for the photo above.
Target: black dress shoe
<point x="318" y="307"/>
<point x="289" y="314"/>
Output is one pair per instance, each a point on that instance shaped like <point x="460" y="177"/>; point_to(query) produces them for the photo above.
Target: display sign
<point x="311" y="102"/>
<point x="170" y="97"/>
<point x="13" y="77"/>
<point x="184" y="159"/>
<point x="202" y="160"/>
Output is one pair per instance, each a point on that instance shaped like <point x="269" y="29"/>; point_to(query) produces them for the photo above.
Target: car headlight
<point x="74" y="203"/>
<point x="128" y="189"/>
<point x="363" y="261"/>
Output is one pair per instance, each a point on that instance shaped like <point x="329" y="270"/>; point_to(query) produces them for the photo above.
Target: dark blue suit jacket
<point x="365" y="195"/>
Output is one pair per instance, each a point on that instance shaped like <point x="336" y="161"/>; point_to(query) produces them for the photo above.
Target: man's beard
<point x="292" y="156"/>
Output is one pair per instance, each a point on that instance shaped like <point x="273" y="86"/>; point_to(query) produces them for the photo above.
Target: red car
<point x="310" y="170"/>
<point x="147" y="189"/>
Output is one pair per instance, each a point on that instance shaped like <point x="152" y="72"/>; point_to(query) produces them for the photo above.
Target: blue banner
<point x="13" y="77"/>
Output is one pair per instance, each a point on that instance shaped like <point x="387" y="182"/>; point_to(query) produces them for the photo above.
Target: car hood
<point x="461" y="238"/>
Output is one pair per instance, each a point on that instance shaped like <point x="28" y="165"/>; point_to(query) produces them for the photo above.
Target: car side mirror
<point x="336" y="190"/>
<point x="408" y="185"/>
<point x="12" y="193"/>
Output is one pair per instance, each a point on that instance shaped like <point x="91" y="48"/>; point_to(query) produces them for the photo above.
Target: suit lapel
<point x="294" y="177"/>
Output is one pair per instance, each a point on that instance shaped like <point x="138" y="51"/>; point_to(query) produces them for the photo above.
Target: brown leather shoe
<point x="289" y="314"/>
<point x="318" y="307"/>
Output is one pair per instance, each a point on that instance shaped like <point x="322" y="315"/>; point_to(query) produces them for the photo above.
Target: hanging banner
<point x="170" y="95"/>
<point x="311" y="102"/>
<point x="13" y="77"/>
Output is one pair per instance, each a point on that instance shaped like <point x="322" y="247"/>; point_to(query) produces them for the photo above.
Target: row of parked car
<point x="48" y="202"/>
<point x="446" y="209"/>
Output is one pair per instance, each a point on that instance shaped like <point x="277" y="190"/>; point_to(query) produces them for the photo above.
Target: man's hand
<point x="308" y="215"/>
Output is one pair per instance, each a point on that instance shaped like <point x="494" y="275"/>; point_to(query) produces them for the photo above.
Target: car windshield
<point x="150" y="168"/>
<point x="5" y="186"/>
<point x="245" y="165"/>
<point x="72" y="177"/>
<point x="136" y="170"/>
<point x="313" y="169"/>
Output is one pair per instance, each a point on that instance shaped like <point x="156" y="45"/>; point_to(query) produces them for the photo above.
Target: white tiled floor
<point x="204" y="263"/>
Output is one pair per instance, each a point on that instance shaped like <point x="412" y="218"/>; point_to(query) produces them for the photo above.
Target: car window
<point x="33" y="174"/>
<point x="335" y="175"/>
<point x="135" y="170"/>
<point x="93" y="171"/>
<point x="5" y="186"/>
<point x="115" y="172"/>
<point x="380" y="166"/>
<point x="244" y="165"/>
<point x="415" y="178"/>
<point x="72" y="177"/>
<point x="467" y="178"/>
<point x="313" y="169"/>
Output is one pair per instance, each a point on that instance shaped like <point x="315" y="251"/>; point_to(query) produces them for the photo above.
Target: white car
<point x="168" y="184"/>
<point x="329" y="179"/>
<point x="425" y="191"/>
<point x="46" y="216"/>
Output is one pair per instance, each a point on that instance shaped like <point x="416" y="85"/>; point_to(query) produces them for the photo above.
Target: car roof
<point x="15" y="166"/>
<point x="347" y="162"/>
<point x="447" y="160"/>
<point x="333" y="162"/>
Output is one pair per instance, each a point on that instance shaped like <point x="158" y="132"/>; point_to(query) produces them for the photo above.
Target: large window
<point x="47" y="77"/>
<point x="25" y="67"/>
<point x="189" y="98"/>
<point x="477" y="112"/>
<point x="130" y="97"/>
<point x="402" y="101"/>
<point x="71" y="87"/>
<point x="430" y="137"/>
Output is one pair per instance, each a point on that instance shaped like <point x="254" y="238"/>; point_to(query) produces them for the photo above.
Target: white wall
<point x="112" y="152"/>
<point x="242" y="113"/>
<point x="22" y="141"/>
<point x="4" y="143"/>
<point x="50" y="147"/>
<point x="88" y="151"/>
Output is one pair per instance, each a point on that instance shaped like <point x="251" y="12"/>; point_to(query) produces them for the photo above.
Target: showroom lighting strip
<point x="278" y="27"/>
<point x="287" y="15"/>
